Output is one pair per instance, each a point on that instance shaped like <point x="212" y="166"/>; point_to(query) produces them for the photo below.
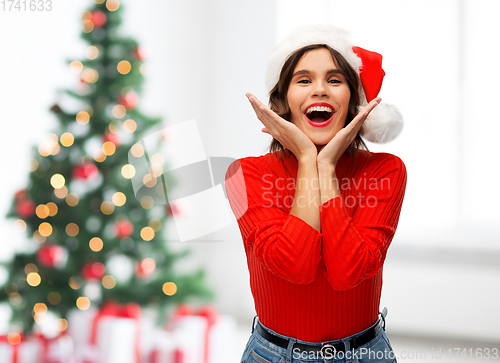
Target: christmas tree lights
<point x="92" y="239"/>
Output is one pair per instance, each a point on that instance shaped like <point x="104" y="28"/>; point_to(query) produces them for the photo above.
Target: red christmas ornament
<point x="98" y="18"/>
<point x="20" y="194"/>
<point x="50" y="256"/>
<point x="173" y="209"/>
<point x="138" y="54"/>
<point x="129" y="100"/>
<point x="55" y="108"/>
<point x="109" y="136"/>
<point x="88" y="171"/>
<point x="144" y="268"/>
<point x="25" y="208"/>
<point x="183" y="310"/>
<point x="124" y="228"/>
<point x="93" y="271"/>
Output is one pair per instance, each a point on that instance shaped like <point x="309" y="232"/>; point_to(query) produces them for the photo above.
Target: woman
<point x="317" y="214"/>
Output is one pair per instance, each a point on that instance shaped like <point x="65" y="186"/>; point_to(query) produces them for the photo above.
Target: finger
<point x="374" y="103"/>
<point x="266" y="131"/>
<point x="260" y="109"/>
<point x="357" y="122"/>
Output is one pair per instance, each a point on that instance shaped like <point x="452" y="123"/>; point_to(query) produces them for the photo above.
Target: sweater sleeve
<point x="284" y="244"/>
<point x="355" y="243"/>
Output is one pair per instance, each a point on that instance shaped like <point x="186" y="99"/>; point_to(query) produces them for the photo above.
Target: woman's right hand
<point x="289" y="135"/>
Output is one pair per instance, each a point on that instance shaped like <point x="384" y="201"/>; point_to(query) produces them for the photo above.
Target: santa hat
<point x="385" y="122"/>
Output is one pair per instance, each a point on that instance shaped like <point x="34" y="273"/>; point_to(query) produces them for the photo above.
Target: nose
<point x="320" y="89"/>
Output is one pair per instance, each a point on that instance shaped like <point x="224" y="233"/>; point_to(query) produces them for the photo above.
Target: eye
<point x="334" y="80"/>
<point x="304" y="81"/>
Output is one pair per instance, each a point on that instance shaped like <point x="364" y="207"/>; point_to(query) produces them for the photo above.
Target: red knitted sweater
<point x="309" y="285"/>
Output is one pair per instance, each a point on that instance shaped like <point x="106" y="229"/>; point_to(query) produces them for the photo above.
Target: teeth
<point x="319" y="108"/>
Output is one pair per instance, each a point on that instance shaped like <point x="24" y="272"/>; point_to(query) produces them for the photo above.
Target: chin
<point x="320" y="140"/>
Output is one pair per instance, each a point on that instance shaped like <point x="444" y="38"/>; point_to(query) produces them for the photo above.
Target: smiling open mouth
<point x="319" y="115"/>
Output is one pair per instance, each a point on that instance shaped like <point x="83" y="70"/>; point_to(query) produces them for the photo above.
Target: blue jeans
<point x="259" y="350"/>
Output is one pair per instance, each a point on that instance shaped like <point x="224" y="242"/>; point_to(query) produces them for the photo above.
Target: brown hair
<point x="278" y="101"/>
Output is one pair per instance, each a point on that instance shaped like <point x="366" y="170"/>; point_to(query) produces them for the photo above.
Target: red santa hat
<point x="385" y="122"/>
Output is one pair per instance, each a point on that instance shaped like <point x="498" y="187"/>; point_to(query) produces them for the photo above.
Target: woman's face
<point x="318" y="96"/>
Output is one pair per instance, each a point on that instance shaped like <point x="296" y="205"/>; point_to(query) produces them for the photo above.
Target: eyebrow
<point x="306" y="72"/>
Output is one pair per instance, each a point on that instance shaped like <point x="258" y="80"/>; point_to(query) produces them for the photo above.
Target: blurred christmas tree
<point x="92" y="240"/>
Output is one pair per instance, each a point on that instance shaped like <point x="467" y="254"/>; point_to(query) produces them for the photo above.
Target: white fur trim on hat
<point x="384" y="123"/>
<point x="337" y="38"/>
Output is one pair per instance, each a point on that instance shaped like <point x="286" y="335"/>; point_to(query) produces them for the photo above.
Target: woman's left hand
<point x="331" y="152"/>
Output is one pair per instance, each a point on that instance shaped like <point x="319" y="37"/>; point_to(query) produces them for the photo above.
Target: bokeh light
<point x="29" y="268"/>
<point x="119" y="111"/>
<point x="99" y="156"/>
<point x="129" y="126"/>
<point x="54" y="298"/>
<point x="88" y="25"/>
<point x="107" y="207"/>
<point x="14" y="338"/>
<point x="38" y="238"/>
<point x="20" y="225"/>
<point x="90" y="75"/>
<point x="112" y="5"/>
<point x="137" y="150"/>
<point x="96" y="244"/>
<point x="108" y="282"/>
<point x="76" y="67"/>
<point x="158" y="159"/>
<point x="42" y="211"/>
<point x="75" y="282"/>
<point x="72" y="229"/>
<point x="147" y="233"/>
<point x="92" y="52"/>
<point x="169" y="288"/>
<point x="33" y="279"/>
<point x="33" y="164"/>
<point x="52" y="209"/>
<point x="149" y="180"/>
<point x="67" y="139"/>
<point x="108" y="148"/>
<point x="72" y="199"/>
<point x="124" y="67"/>
<point x="61" y="193"/>
<point x="57" y="181"/>
<point x="82" y="117"/>
<point x="128" y="171"/>
<point x="45" y="229"/>
<point x="147" y="202"/>
<point x="83" y="303"/>
<point x="63" y="324"/>
<point x="119" y="199"/>
<point x="40" y="308"/>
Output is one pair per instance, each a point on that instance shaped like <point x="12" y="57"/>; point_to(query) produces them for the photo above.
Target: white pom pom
<point x="383" y="124"/>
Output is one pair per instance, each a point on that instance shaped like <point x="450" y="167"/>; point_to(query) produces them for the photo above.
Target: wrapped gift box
<point x="203" y="336"/>
<point x="109" y="335"/>
<point x="27" y="351"/>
